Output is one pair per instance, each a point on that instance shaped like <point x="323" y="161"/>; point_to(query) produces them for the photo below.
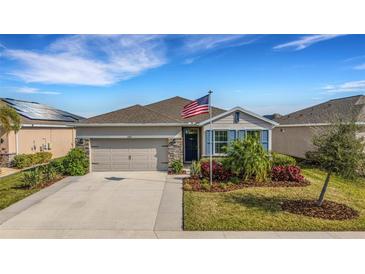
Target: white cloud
<point x="99" y="60"/>
<point x="95" y="60"/>
<point x="360" y="67"/>
<point x="306" y="41"/>
<point x="29" y="90"/>
<point x="346" y="87"/>
<point x="196" y="43"/>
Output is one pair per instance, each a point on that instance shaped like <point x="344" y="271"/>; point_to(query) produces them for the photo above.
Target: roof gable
<point x="250" y="113"/>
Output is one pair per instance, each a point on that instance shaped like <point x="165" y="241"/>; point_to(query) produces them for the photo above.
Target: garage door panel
<point x="131" y="154"/>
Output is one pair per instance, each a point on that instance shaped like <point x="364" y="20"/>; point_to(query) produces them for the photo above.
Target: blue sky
<point x="93" y="74"/>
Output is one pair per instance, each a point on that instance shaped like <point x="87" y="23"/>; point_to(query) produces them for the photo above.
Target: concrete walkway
<point x="125" y="205"/>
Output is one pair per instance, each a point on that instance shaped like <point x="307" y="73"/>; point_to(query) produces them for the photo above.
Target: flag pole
<point x="211" y="139"/>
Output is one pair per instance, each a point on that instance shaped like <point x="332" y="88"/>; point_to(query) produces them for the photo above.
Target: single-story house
<point x="150" y="137"/>
<point x="295" y="133"/>
<point x="43" y="128"/>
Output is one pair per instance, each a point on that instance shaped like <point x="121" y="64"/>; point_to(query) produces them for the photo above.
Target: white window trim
<point x="245" y="129"/>
<point x="220" y="142"/>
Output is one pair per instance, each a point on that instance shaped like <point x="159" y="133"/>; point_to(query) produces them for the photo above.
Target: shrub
<point x="23" y="160"/>
<point x="247" y="159"/>
<point x="42" y="157"/>
<point x="195" y="169"/>
<point x="76" y="162"/>
<point x="27" y="160"/>
<point x="32" y="177"/>
<point x="58" y="166"/>
<point x="286" y="173"/>
<point x="177" y="166"/>
<point x="50" y="173"/>
<point x="282" y="160"/>
<point x="219" y="171"/>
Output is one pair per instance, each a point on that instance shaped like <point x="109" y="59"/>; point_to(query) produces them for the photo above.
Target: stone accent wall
<point x="174" y="150"/>
<point x="84" y="144"/>
<point x="6" y="158"/>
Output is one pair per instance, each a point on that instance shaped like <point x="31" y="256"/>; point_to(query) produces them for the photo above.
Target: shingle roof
<point x="166" y="111"/>
<point x="132" y="114"/>
<point x="172" y="107"/>
<point x="344" y="109"/>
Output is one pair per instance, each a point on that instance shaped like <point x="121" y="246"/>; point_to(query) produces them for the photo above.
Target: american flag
<point x="199" y="106"/>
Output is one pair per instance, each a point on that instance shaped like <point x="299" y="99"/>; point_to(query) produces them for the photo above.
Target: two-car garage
<point x="114" y="154"/>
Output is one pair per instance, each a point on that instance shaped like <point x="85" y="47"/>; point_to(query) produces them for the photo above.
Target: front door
<point x="190" y="144"/>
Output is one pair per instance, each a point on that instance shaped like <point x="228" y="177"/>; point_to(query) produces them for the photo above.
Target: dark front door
<point x="191" y="144"/>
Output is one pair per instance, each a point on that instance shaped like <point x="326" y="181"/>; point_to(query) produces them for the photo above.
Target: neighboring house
<point x="295" y="133"/>
<point x="43" y="128"/>
<point x="150" y="137"/>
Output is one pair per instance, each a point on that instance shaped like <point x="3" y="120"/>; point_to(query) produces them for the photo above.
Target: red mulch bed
<point x="196" y="185"/>
<point x="329" y="210"/>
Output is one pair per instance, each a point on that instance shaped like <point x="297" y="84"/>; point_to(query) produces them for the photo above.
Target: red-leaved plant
<point x="286" y="173"/>
<point x="219" y="172"/>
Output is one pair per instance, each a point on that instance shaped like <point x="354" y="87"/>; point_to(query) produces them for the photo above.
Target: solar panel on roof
<point x="36" y="111"/>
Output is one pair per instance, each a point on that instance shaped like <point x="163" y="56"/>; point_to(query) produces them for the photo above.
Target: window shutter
<point x="265" y="139"/>
<point x="231" y="135"/>
<point x="241" y="134"/>
<point x="208" y="145"/>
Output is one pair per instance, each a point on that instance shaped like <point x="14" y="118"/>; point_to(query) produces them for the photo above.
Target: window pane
<point x="221" y="136"/>
<point x="255" y="133"/>
<point x="219" y="148"/>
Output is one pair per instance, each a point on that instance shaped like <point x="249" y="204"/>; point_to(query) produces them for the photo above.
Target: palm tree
<point x="9" y="121"/>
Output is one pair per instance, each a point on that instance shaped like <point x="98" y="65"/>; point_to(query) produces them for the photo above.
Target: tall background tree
<point x="338" y="150"/>
<point x="9" y="121"/>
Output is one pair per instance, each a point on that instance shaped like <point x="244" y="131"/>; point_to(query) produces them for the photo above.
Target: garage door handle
<point x="95" y="163"/>
<point x="130" y="157"/>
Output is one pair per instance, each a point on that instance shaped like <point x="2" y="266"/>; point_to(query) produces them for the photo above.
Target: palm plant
<point x="9" y="120"/>
<point x="248" y="159"/>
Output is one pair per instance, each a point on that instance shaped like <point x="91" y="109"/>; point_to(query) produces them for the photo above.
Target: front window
<point x="254" y="133"/>
<point x="220" y="141"/>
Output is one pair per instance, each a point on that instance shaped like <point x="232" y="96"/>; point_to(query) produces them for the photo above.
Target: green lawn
<point x="10" y="193"/>
<point x="259" y="208"/>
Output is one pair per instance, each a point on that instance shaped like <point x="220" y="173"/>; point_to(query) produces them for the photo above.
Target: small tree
<point x="338" y="150"/>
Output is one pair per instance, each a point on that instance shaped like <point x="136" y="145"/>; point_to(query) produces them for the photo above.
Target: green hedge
<point x="28" y="160"/>
<point x="76" y="162"/>
<point x="282" y="160"/>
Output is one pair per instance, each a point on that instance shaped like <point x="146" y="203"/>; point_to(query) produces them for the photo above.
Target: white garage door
<point x="128" y="154"/>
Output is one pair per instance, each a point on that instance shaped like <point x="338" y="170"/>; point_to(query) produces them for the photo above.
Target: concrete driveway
<point x="103" y="201"/>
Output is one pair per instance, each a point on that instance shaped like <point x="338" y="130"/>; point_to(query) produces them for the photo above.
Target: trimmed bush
<point x="219" y="171"/>
<point x="177" y="166"/>
<point x="76" y="162"/>
<point x="28" y="160"/>
<point x="286" y="173"/>
<point x="279" y="159"/>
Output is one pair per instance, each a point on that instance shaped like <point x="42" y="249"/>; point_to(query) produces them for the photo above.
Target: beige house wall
<point x="294" y="141"/>
<point x="129" y="132"/>
<point x="30" y="140"/>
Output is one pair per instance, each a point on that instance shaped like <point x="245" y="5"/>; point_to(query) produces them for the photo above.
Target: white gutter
<point x="313" y="124"/>
<point x="134" y="124"/>
<point x="46" y="125"/>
